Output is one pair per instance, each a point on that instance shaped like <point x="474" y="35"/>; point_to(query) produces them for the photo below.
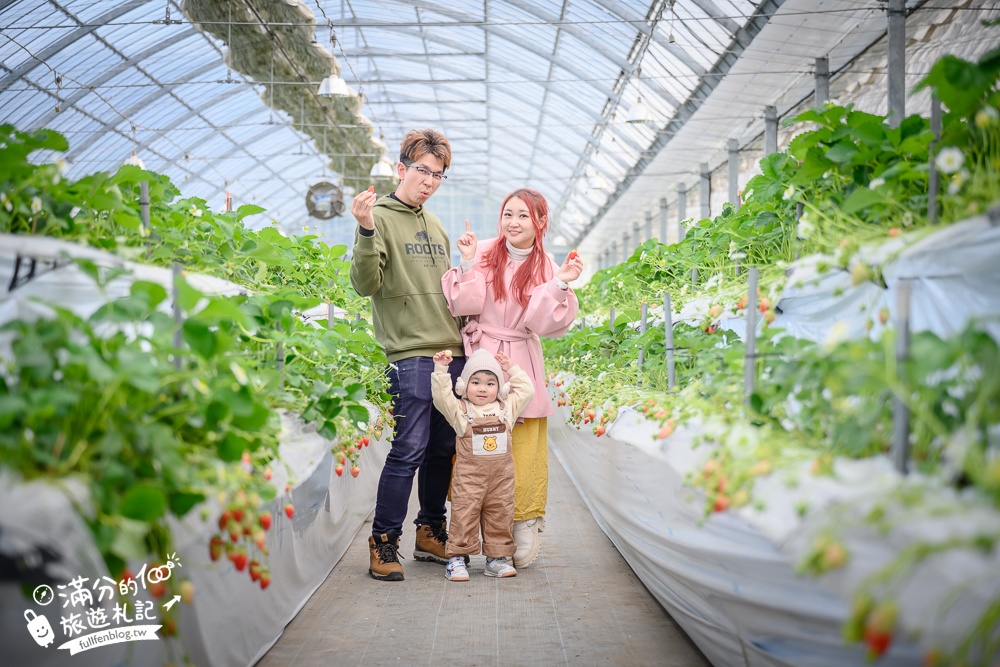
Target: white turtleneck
<point x="516" y="254"/>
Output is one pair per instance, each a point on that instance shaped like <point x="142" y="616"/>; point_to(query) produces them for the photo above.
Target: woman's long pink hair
<point x="536" y="269"/>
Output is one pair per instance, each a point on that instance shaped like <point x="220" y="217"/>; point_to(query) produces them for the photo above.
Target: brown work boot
<point x="431" y="539"/>
<point x="385" y="557"/>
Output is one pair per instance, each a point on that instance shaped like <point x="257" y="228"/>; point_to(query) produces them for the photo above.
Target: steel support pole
<point x="664" y="238"/>
<point x="175" y="270"/>
<point x="681" y="210"/>
<point x="668" y="332"/>
<point x="770" y="130"/>
<point x="734" y="172"/>
<point x="750" y="362"/>
<point x="900" y="410"/>
<point x="642" y="331"/>
<point x="144" y="211"/>
<point x="649" y="225"/>
<point x="705" y="195"/>
<point x="897" y="61"/>
<point x="934" y="178"/>
<point x="822" y="81"/>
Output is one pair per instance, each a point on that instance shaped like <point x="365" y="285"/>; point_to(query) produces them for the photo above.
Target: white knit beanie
<point x="481" y="360"/>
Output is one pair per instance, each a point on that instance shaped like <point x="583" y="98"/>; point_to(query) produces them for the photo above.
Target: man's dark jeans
<point x="423" y="443"/>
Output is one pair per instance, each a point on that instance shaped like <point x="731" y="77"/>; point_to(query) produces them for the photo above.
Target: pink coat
<point x="507" y="327"/>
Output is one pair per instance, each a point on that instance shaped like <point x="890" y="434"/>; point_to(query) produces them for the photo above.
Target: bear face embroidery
<point x="490" y="443"/>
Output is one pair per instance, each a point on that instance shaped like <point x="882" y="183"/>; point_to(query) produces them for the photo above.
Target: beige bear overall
<point x="482" y="489"/>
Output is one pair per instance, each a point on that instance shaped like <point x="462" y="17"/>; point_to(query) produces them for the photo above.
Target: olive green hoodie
<point x="400" y="268"/>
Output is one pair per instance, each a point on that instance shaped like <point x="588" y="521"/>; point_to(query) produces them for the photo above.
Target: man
<point x="401" y="251"/>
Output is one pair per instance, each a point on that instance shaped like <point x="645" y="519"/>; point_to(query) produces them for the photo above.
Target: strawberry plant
<point x="147" y="436"/>
<point x="857" y="180"/>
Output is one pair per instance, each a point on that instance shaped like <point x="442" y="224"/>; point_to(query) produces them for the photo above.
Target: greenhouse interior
<point x="698" y="344"/>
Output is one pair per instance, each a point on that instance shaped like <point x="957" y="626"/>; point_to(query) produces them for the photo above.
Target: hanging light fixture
<point x="382" y="169"/>
<point x="639" y="114"/>
<point x="135" y="160"/>
<point x="598" y="181"/>
<point x="673" y="15"/>
<point x="333" y="85"/>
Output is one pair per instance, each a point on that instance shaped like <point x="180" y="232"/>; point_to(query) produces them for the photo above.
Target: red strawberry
<point x="667" y="430"/>
<point x="721" y="503"/>
<point x="246" y="457"/>
<point x="765" y="305"/>
<point x="265" y="521"/>
<point x="265" y="579"/>
<point x="599" y="431"/>
<point x="158" y="590"/>
<point x="371" y="188"/>
<point x="254" y="570"/>
<point x="267" y="474"/>
<point x="878" y="628"/>
<point x="742" y="303"/>
<point x="355" y="471"/>
<point x="238" y="514"/>
<point x="365" y="440"/>
<point x="215" y="547"/>
<point x="240" y="559"/>
<point x="224" y="519"/>
<point x="290" y="510"/>
<point x="339" y="470"/>
<point x="573" y="254"/>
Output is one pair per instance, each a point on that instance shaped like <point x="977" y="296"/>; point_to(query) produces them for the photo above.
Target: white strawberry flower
<point x="957" y="182"/>
<point x="36" y="205"/>
<point x="837" y="334"/>
<point x="789" y="193"/>
<point x="6" y="202"/>
<point x="876" y="183"/>
<point x="195" y="211"/>
<point x="950" y="160"/>
<point x="239" y="373"/>
<point x="805" y="227"/>
<point x="986" y="116"/>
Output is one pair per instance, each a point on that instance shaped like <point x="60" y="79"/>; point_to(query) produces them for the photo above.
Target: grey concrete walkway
<point x="579" y="604"/>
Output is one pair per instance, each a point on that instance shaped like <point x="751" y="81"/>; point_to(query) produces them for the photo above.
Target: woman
<point x="513" y="293"/>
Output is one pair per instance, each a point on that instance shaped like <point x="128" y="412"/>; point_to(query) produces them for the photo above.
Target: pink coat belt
<point x="474" y="331"/>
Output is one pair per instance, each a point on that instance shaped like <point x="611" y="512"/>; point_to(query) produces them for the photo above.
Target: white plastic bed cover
<point x="329" y="510"/>
<point x="730" y="581"/>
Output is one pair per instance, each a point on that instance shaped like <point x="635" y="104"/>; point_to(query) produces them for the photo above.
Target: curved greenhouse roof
<point x="222" y="95"/>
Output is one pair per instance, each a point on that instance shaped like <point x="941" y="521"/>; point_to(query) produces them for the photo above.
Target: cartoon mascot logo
<point x="421" y="236"/>
<point x="490" y="443"/>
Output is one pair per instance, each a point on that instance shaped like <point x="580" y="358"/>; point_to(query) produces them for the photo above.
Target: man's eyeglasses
<point x="423" y="171"/>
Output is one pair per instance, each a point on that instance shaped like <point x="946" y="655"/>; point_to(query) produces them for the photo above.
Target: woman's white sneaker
<point x="526" y="541"/>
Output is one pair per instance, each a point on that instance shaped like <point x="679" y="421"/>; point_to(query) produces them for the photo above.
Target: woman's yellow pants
<point x="530" y="446"/>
